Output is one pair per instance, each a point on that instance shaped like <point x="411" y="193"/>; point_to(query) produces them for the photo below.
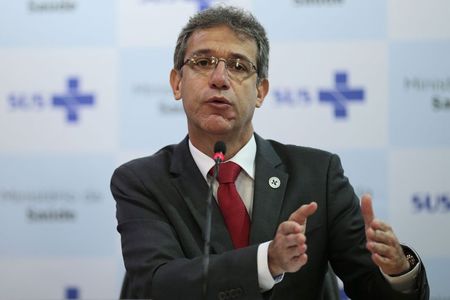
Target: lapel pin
<point x="274" y="182"/>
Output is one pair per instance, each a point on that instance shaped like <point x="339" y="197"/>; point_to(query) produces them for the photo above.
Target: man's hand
<point x="382" y="242"/>
<point x="287" y="251"/>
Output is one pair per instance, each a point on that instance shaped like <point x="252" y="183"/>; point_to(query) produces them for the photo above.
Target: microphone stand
<point x="207" y="236"/>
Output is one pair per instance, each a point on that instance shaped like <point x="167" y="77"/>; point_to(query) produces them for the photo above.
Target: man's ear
<point x="175" y="83"/>
<point x="262" y="90"/>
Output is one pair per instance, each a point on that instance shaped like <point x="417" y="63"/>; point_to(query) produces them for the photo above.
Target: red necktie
<point x="231" y="205"/>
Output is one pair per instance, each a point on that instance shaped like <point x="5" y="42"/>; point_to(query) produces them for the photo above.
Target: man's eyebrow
<point x="202" y="52"/>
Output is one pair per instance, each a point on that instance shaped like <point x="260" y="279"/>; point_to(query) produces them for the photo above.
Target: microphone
<point x="219" y="151"/>
<point x="219" y="156"/>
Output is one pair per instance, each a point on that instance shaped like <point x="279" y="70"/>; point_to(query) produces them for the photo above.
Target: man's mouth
<point x="221" y="101"/>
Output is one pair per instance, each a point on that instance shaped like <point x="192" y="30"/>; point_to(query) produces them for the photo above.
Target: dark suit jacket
<point x="161" y="214"/>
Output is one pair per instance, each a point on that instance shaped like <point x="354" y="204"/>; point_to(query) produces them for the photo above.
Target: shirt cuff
<point x="265" y="279"/>
<point x="404" y="283"/>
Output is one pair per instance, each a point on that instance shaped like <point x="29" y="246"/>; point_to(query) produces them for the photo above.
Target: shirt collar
<point x="245" y="158"/>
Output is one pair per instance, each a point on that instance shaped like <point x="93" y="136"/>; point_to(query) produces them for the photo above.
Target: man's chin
<point x="218" y="126"/>
<point x="218" y="131"/>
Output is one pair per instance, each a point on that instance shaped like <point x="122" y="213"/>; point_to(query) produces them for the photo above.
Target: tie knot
<point x="228" y="172"/>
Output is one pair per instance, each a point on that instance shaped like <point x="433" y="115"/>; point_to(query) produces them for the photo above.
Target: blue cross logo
<point x="72" y="100"/>
<point x="203" y="4"/>
<point x="341" y="95"/>
<point x="72" y="293"/>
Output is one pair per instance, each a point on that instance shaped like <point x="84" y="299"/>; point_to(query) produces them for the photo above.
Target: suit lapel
<point x="193" y="188"/>
<point x="268" y="199"/>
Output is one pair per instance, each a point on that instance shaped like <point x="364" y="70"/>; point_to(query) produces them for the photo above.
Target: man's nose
<point x="219" y="77"/>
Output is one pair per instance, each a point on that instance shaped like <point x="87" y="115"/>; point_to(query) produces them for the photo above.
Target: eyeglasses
<point x="237" y="68"/>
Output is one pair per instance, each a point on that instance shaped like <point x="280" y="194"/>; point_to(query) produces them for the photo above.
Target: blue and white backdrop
<point x="84" y="88"/>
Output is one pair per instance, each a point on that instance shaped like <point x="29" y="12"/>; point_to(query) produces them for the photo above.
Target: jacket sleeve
<point x="163" y="254"/>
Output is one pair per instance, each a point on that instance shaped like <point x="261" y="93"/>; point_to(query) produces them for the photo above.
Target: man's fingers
<point x="367" y="210"/>
<point x="301" y="214"/>
<point x="287" y="251"/>
<point x="299" y="260"/>
<point x="381" y="249"/>
<point x="380" y="225"/>
<point x="289" y="227"/>
<point x="382" y="242"/>
<point x="385" y="237"/>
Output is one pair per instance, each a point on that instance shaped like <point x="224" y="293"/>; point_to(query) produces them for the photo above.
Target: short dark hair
<point x="238" y="20"/>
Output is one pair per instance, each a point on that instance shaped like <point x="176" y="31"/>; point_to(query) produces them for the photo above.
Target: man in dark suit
<point x="288" y="193"/>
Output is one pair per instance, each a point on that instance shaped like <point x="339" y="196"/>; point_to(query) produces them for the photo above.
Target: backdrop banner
<point x="84" y="88"/>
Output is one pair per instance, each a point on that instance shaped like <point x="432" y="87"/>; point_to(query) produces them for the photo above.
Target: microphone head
<point x="219" y="151"/>
<point x="220" y="147"/>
